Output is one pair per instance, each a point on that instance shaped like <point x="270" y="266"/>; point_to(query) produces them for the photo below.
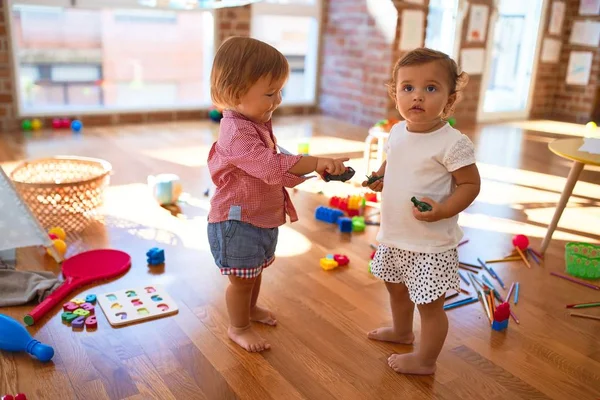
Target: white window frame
<point x="311" y="72"/>
<point x="115" y="4"/>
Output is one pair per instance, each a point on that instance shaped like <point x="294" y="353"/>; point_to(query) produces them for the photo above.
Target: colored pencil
<point x="583" y="305"/>
<point x="512" y="287"/>
<point x="573" y="314"/>
<point x="499" y="260"/>
<point x="576" y="281"/>
<point x="517" y="286"/>
<point x="373" y="246"/>
<point x="493" y="304"/>
<point x="463" y="242"/>
<point x="536" y="253"/>
<point x="463" y="291"/>
<point x="464" y="279"/>
<point x="459" y="303"/>
<point x="535" y="258"/>
<point x="478" y="293"/>
<point x="523" y="257"/>
<point x="497" y="278"/>
<point x="467" y="268"/>
<point x="489" y="304"/>
<point x="451" y="296"/>
<point x="470" y="265"/>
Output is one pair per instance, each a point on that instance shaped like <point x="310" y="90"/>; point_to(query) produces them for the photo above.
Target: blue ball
<point x="76" y="125"/>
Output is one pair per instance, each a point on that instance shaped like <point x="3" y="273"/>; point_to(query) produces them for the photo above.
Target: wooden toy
<point x="79" y="270"/>
<point x="90" y="298"/>
<point x="147" y="303"/>
<point x="91" y="322"/>
<point x="328" y="264"/>
<point x="16" y="338"/>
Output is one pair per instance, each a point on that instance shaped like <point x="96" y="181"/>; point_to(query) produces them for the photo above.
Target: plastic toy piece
<point x="90" y="298"/>
<point x="81" y="312"/>
<point x="501" y="316"/>
<point x="373" y="178"/>
<point x="521" y="241"/>
<point x="70" y="306"/>
<point x="343" y="177"/>
<point x="155" y="256"/>
<point x="78" y="323"/>
<point x="68" y="317"/>
<point x="328" y="264"/>
<point x="91" y="322"/>
<point x="8" y="397"/>
<point x="16" y="338"/>
<point x="372" y="197"/>
<point x="20" y="396"/>
<point x="421" y="205"/>
<point x="341" y="259"/>
<point x="345" y="225"/>
<point x="358" y="224"/>
<point x="330" y="256"/>
<point x="88" y="307"/>
<point x="327" y="214"/>
<point x="78" y="301"/>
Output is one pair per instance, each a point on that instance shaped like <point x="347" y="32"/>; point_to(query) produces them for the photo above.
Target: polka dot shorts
<point x="426" y="275"/>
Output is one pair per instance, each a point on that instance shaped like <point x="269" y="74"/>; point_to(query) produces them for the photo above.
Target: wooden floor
<point x="319" y="350"/>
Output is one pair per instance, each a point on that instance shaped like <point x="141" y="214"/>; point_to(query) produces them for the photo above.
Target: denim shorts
<point x="237" y="245"/>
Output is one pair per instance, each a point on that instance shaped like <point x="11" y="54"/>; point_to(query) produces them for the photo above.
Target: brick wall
<point x="8" y="108"/>
<point x="232" y="22"/>
<point x="553" y="98"/>
<point x="356" y="61"/>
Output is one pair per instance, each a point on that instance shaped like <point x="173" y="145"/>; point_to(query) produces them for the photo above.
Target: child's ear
<point x="449" y="107"/>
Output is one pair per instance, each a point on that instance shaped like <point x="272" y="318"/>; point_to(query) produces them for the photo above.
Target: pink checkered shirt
<point x="249" y="173"/>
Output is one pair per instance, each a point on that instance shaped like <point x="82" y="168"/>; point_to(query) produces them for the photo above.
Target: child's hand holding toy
<point x="374" y="182"/>
<point x="428" y="210"/>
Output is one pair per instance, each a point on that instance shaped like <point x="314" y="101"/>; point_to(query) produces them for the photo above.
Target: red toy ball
<point x="521" y="241"/>
<point x="56" y="123"/>
<point x="65" y="123"/>
<point x="20" y="396"/>
<point x="8" y="397"/>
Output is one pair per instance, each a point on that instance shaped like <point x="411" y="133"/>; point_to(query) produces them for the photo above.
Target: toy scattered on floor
<point x="303" y="148"/>
<point x="19" y="396"/>
<point x="501" y="315"/>
<point x="342" y="177"/>
<point x="58" y="237"/>
<point x="327" y="214"/>
<point x="76" y="125"/>
<point x="79" y="313"/>
<point x="452" y="121"/>
<point x="341" y="259"/>
<point x="352" y="205"/>
<point x="358" y="224"/>
<point x="165" y="188"/>
<point x="460" y="303"/>
<point x="133" y="305"/>
<point x="90" y="298"/>
<point x="155" y="256"/>
<point x="16" y="338"/>
<point x="36" y="124"/>
<point x="568" y="278"/>
<point x="582" y="260"/>
<point x="61" y="123"/>
<point x="82" y="269"/>
<point x="26" y="125"/>
<point x="345" y="224"/>
<point x="328" y="264"/>
<point x="591" y="125"/>
<point x="372" y="197"/>
<point x="215" y="115"/>
<point x="421" y="205"/>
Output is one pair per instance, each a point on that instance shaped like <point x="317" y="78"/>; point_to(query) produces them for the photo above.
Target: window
<point x="292" y="27"/>
<point x="73" y="59"/>
<point x="441" y="26"/>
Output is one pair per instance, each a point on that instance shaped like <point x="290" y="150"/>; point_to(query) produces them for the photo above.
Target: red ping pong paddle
<point x="79" y="270"/>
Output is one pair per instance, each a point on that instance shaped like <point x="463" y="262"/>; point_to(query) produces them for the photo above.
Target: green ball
<point x="26" y="125"/>
<point x="215" y="115"/>
<point x="452" y="121"/>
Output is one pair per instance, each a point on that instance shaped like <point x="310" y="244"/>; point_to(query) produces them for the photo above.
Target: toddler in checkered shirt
<point x="250" y="174"/>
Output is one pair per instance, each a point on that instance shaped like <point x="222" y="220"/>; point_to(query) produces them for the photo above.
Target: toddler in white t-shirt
<point x="429" y="160"/>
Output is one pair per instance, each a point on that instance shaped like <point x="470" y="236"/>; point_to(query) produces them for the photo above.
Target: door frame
<point x="483" y="116"/>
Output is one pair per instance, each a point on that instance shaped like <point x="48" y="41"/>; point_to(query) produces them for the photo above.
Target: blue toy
<point x="330" y="215"/>
<point x="76" y="125"/>
<point x="345" y="224"/>
<point x="90" y="298"/>
<point x="15" y="337"/>
<point x="500" y="326"/>
<point x="156" y="256"/>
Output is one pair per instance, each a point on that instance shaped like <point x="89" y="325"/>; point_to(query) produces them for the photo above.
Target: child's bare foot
<point x="409" y="364"/>
<point x="262" y="315"/>
<point x="389" y="335"/>
<point x="248" y="339"/>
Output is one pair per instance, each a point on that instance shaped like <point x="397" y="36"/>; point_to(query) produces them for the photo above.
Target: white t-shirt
<point x="421" y="165"/>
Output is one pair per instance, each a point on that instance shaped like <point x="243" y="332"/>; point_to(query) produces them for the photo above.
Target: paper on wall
<point x="478" y="19"/>
<point x="556" y="17"/>
<point x="411" y="35"/>
<point x="585" y="33"/>
<point x="580" y="66"/>
<point x="472" y="61"/>
<point x="589" y="7"/>
<point x="551" y="50"/>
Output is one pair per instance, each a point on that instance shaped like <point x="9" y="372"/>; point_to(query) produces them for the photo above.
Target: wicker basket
<point x="63" y="191"/>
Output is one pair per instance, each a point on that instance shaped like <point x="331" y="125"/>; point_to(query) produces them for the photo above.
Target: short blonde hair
<point x="239" y="63"/>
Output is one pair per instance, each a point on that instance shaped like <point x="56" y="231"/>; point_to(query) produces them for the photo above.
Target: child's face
<point x="422" y="93"/>
<point x="261" y="100"/>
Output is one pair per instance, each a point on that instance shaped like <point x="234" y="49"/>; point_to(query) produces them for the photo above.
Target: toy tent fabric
<point x="18" y="226"/>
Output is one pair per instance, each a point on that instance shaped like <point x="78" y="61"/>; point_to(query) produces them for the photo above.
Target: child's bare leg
<point x="403" y="310"/>
<point x="238" y="297"/>
<point x="434" y="328"/>
<point x="259" y="314"/>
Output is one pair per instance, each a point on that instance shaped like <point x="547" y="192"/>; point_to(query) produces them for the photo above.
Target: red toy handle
<point x="41" y="309"/>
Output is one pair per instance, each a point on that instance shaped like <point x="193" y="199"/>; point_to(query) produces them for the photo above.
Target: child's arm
<point x="377" y="186"/>
<point x="467" y="188"/>
<point x="308" y="164"/>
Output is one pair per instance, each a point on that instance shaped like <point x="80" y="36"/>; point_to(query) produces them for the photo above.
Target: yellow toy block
<point x="327" y="264"/>
<point x="354" y="202"/>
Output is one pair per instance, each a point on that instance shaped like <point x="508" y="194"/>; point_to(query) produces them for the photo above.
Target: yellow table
<point x="569" y="149"/>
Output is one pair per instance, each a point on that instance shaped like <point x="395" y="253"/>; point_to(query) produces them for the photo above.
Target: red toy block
<point x="341" y="259"/>
<point x="352" y="213"/>
<point x="20" y="396"/>
<point x="334" y="201"/>
<point x="343" y="205"/>
<point x="91" y="323"/>
<point x="502" y="312"/>
<point x="371" y="197"/>
<point x="373" y="254"/>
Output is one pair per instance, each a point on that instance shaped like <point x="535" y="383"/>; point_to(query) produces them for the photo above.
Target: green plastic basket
<point x="583" y="260"/>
